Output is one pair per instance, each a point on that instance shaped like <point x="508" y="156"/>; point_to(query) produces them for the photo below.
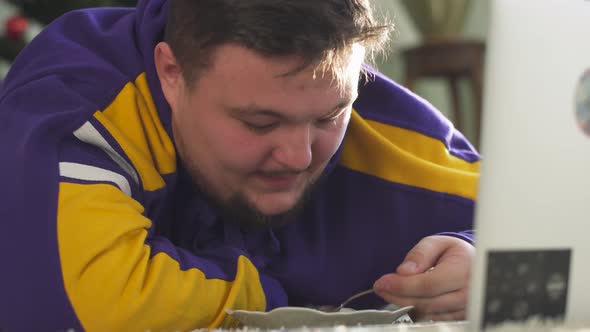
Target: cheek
<point x="218" y="147"/>
<point x="241" y="149"/>
<point x="328" y="142"/>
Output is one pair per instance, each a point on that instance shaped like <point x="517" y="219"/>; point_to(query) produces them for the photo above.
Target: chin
<point x="264" y="210"/>
<point x="271" y="206"/>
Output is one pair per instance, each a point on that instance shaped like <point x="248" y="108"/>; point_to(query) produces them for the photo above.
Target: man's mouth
<point x="282" y="181"/>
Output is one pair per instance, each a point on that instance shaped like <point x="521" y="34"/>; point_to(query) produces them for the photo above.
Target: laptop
<point x="533" y="214"/>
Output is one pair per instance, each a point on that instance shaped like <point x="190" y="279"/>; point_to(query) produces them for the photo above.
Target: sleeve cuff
<point x="468" y="235"/>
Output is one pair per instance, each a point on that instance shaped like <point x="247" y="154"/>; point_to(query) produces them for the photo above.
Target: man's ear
<point x="169" y="73"/>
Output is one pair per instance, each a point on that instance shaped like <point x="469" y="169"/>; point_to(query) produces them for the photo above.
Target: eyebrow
<point x="256" y="110"/>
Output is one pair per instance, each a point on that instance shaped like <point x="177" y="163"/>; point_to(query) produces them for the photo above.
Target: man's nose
<point x="294" y="149"/>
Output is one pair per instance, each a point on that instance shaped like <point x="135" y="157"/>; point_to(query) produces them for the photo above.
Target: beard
<point x="238" y="210"/>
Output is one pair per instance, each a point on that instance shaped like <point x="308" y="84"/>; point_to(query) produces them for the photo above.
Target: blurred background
<point x="437" y="50"/>
<point x="429" y="26"/>
<point x="22" y="20"/>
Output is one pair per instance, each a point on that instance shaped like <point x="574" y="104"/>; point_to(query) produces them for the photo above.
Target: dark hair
<point x="319" y="31"/>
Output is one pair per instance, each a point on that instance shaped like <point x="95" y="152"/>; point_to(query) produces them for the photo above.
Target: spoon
<point x="350" y="299"/>
<point x="360" y="294"/>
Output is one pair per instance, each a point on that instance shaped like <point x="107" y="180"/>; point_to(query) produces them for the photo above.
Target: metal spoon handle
<point x="354" y="297"/>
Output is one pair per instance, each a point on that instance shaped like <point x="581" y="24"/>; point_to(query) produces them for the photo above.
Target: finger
<point x="450" y="302"/>
<point x="428" y="252"/>
<point x="422" y="256"/>
<point x="448" y="316"/>
<point x="443" y="279"/>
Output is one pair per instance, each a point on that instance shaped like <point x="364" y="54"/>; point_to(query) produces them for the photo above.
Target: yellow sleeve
<point x="116" y="283"/>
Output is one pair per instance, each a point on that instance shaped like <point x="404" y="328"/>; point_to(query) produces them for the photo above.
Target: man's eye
<point x="260" y="127"/>
<point x="328" y="121"/>
<point x="323" y="122"/>
<point x="331" y="119"/>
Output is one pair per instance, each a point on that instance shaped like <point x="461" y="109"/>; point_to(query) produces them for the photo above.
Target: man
<point x="168" y="162"/>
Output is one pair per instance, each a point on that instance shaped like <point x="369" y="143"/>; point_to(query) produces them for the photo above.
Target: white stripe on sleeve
<point x="89" y="134"/>
<point x="91" y="173"/>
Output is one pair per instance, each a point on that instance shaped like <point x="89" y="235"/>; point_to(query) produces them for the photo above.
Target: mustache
<point x="284" y="172"/>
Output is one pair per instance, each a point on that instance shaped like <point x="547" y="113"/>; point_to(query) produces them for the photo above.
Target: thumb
<point x="423" y="256"/>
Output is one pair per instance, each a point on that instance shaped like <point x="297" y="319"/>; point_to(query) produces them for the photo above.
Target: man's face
<point x="251" y="135"/>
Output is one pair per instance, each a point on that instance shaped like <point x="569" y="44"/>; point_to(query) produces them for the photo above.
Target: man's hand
<point x="434" y="278"/>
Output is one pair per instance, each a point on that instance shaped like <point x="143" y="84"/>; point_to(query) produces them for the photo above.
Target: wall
<point x="435" y="91"/>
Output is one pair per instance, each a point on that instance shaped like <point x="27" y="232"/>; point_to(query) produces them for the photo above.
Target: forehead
<point x="237" y="67"/>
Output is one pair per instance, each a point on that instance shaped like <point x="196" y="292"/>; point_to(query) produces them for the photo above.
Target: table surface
<point x="462" y="326"/>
